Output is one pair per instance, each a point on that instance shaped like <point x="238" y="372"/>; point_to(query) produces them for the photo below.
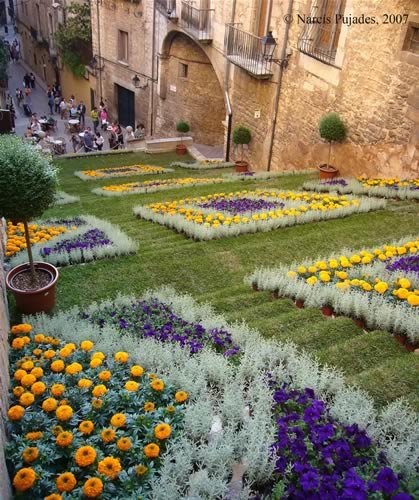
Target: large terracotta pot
<point x="181" y="149"/>
<point x="241" y="166"/>
<point x="34" y="301"/>
<point x="328" y="171"/>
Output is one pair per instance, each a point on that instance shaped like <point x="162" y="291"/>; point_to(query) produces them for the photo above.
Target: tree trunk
<point x="29" y="248"/>
<point x="330" y="153"/>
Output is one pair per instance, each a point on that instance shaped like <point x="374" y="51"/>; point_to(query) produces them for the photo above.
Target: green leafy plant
<point x="241" y="137"/>
<point x="182" y="127"/>
<point x="28" y="183"/>
<point x="332" y="129"/>
<point x="3" y="62"/>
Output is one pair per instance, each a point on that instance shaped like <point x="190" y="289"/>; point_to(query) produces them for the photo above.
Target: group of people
<point x="87" y="140"/>
<point x="13" y="50"/>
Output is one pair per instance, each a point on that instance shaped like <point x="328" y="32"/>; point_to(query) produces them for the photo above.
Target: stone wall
<point x="5" y="492"/>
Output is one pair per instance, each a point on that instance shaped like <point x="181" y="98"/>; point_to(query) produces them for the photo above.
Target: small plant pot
<point x="299" y="303"/>
<point x="328" y="171"/>
<point x="404" y="341"/>
<point x="34" y="301"/>
<point x="255" y="287"/>
<point x="327" y="311"/>
<point x="241" y="166"/>
<point x="181" y="149"/>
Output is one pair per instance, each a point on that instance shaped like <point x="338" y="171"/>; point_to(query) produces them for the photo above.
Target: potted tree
<point x="28" y="183"/>
<point x="332" y="129"/>
<point x="183" y="128"/>
<point x="241" y="137"/>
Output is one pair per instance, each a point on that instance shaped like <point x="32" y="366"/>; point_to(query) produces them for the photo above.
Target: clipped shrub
<point x="241" y="137"/>
<point x="332" y="129"/>
<point x="182" y="127"/>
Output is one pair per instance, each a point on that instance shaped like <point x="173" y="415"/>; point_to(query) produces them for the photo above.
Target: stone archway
<point x="189" y="90"/>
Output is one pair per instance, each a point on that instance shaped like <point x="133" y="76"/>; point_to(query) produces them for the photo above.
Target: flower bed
<point x="62" y="198"/>
<point x="222" y="215"/>
<point x="106" y="173"/>
<point x="154" y="185"/>
<point x="404" y="189"/>
<point x="202" y="165"/>
<point x="237" y="419"/>
<point x="71" y="241"/>
<point x="379" y="286"/>
<point x="85" y="424"/>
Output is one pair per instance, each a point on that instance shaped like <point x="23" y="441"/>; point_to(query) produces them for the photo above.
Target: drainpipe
<point x="279" y="84"/>
<point x="99" y="46"/>
<point x="226" y="94"/>
<point x="153" y="56"/>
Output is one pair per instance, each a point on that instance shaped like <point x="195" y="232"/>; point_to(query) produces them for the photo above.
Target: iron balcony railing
<point x="197" y="19"/>
<point x="246" y="50"/>
<point x="167" y="7"/>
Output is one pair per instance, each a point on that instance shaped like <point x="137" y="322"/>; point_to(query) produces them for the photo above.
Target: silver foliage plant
<point x="62" y="198"/>
<point x="198" y="165"/>
<point x="219" y="430"/>
<point x="121" y="245"/>
<point x="374" y="309"/>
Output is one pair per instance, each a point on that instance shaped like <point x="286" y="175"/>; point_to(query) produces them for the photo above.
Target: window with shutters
<point x="123" y="46"/>
<point x="411" y="43"/>
<point x="321" y="40"/>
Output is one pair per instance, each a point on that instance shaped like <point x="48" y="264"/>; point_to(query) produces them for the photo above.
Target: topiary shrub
<point x="182" y="127"/>
<point x="241" y="137"/>
<point x="332" y="129"/>
<point x="28" y="183"/>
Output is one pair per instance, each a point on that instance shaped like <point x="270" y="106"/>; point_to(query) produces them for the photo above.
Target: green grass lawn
<point x="213" y="271"/>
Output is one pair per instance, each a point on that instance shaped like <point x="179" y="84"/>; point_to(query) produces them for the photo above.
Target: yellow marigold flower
<point x="26" y="399"/>
<point x="98" y="354"/>
<point x="65" y="352"/>
<point x="18" y="343"/>
<point x="171" y="409"/>
<point x="28" y="380"/>
<point x="152" y="450"/>
<point x="109" y="467"/>
<point x="291" y="274"/>
<point x="71" y="346"/>
<point x="162" y="431"/>
<point x="324" y="276"/>
<point x="157" y="385"/>
<point x="366" y="286"/>
<point x="57" y="366"/>
<point x="312" y="280"/>
<point x="86" y="345"/>
<point x="38" y="388"/>
<point x="402" y="293"/>
<point x="64" y="439"/>
<point x="413" y="300"/>
<point x="34" y="436"/>
<point x="84" y="383"/>
<point x="22" y="328"/>
<point x="99" y="390"/>
<point x="404" y="283"/>
<point x="355" y="259"/>
<point x="93" y="487"/>
<point x="53" y="496"/>
<point x="19" y="374"/>
<point x="18" y="391"/>
<point x="140" y="470"/>
<point x="95" y="362"/>
<point x="39" y="338"/>
<point x="105" y="375"/>
<point x="73" y="369"/>
<point x="121" y="357"/>
<point x="381" y="287"/>
<point x="37" y="372"/>
<point x="97" y="404"/>
<point x="107" y="435"/>
<point x="181" y="396"/>
<point x="86" y="427"/>
<point x="27" y="365"/>
<point x="124" y="444"/>
<point x="341" y="275"/>
<point x="16" y="412"/>
<point x="149" y="406"/>
<point x="118" y="420"/>
<point x="30" y="454"/>
<point x="49" y="354"/>
<point x="302" y="269"/>
<point x="132" y="386"/>
<point x="64" y="413"/>
<point x="24" y="479"/>
<point x="137" y="370"/>
<point x="66" y="482"/>
<point x="85" y="456"/>
<point x="49" y="404"/>
<point x="57" y="390"/>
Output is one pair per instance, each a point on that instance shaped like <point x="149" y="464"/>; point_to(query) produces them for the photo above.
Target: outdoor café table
<point x="74" y="124"/>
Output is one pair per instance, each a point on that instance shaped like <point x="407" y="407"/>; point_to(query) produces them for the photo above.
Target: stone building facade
<point x="197" y="61"/>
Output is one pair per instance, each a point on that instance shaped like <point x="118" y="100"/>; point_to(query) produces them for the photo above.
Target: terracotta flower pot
<point x="241" y="166"/>
<point x="299" y="304"/>
<point x="181" y="149"/>
<point x="34" y="301"/>
<point x="327" y="311"/>
<point x="360" y="323"/>
<point x="328" y="171"/>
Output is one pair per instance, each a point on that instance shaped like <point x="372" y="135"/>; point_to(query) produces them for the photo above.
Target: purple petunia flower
<point x="407" y="264"/>
<point x="387" y="480"/>
<point x="241" y="205"/>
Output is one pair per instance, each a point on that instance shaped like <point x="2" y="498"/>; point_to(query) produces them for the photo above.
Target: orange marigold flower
<point x="49" y="354"/>
<point x="26" y="399"/>
<point x="98" y="355"/>
<point x="97" y="404"/>
<point x="140" y="470"/>
<point x="85" y="456"/>
<point x="18" y="391"/>
<point x="57" y="390"/>
<point x="73" y="368"/>
<point x="39" y="338"/>
<point x="65" y="352"/>
<point x="37" y="352"/>
<point x="28" y="380"/>
<point x="27" y="365"/>
<point x="93" y="487"/>
<point x="57" y="366"/>
<point x="124" y="444"/>
<point x="118" y="420"/>
<point x="149" y="406"/>
<point x="19" y="374"/>
<point x="152" y="450"/>
<point x="109" y="467"/>
<point x="54" y="496"/>
<point x="86" y="345"/>
<point x="63" y="402"/>
<point x="34" y="436"/>
<point x="121" y="357"/>
<point x="64" y="439"/>
<point x="95" y="362"/>
<point x="24" y="479"/>
<point x="66" y="482"/>
<point x="16" y="412"/>
<point x="107" y="435"/>
<point x="84" y="383"/>
<point x="49" y="404"/>
<point x="137" y="370"/>
<point x="64" y="413"/>
<point x="86" y="427"/>
<point x="162" y="431"/>
<point x="18" y="343"/>
<point x="105" y="375"/>
<point x="22" y="328"/>
<point x="157" y="385"/>
<point x="37" y="372"/>
<point x="57" y="429"/>
<point x="99" y="390"/>
<point x="38" y="388"/>
<point x="26" y="340"/>
<point x="181" y="396"/>
<point x="71" y="346"/>
<point x="132" y="386"/>
<point x="30" y="454"/>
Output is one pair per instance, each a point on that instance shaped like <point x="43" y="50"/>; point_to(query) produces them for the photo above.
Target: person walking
<point x="19" y="97"/>
<point x="103" y="115"/>
<point x="119" y="135"/>
<point x="88" y="141"/>
<point x="28" y="98"/>
<point x="63" y="109"/>
<point x="57" y="100"/>
<point x="94" y="115"/>
<point x="51" y="103"/>
<point x="81" y="108"/>
<point x="99" y="141"/>
<point x="27" y="81"/>
<point x="32" y="80"/>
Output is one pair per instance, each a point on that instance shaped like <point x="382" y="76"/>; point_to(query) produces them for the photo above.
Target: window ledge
<point x="326" y="72"/>
<point x="124" y="63"/>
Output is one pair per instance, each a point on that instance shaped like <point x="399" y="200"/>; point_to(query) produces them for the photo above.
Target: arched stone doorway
<point x="189" y="90"/>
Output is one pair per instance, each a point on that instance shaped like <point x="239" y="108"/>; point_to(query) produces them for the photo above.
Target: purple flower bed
<point x="90" y="239"/>
<point x="241" y="205"/>
<point x="153" y="319"/>
<point x="407" y="264"/>
<point x="318" y="458"/>
<point x="334" y="182"/>
<point x="74" y="221"/>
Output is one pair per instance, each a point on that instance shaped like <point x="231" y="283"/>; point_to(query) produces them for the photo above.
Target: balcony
<point x="246" y="51"/>
<point x="198" y="21"/>
<point x="167" y="8"/>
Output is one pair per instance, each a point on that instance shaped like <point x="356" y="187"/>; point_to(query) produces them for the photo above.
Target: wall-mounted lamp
<point x="136" y="81"/>
<point x="268" y="44"/>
